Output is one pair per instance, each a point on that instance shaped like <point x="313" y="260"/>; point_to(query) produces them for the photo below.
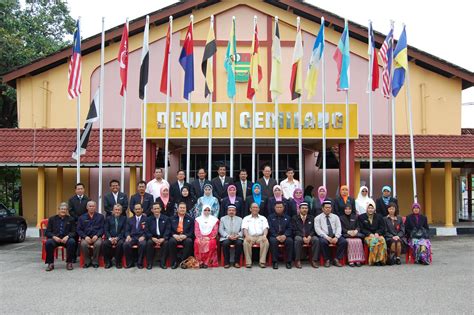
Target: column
<point x="427" y="191"/>
<point x="40" y="197"/>
<point x="133" y="181"/>
<point x="448" y="194"/>
<point x="342" y="166"/>
<point x="469" y="195"/>
<point x="356" y="179"/>
<point x="59" y="186"/>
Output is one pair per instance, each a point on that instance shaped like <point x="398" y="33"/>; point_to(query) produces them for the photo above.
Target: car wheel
<point x="20" y="234"/>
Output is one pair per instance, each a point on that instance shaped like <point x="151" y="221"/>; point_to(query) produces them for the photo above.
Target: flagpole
<point x="254" y="106"/>
<point x="78" y="131"/>
<point x="101" y="113"/>
<point x="124" y="115"/>
<point x="147" y="23"/>
<point x="209" y="145"/>
<point x="188" y="131"/>
<point x="347" y="138"/>
<point x="277" y="126"/>
<point x="323" y="74"/>
<point x="370" y="111"/>
<point x="300" y="130"/>
<point x="391" y="103"/>
<point x="167" y="115"/>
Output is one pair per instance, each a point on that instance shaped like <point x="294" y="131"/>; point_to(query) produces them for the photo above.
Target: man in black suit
<point x="143" y="198"/>
<point x="197" y="185"/>
<point x="135" y="235"/>
<point x="115" y="196"/>
<point x="158" y="229"/>
<point x="243" y="185"/>
<point x="114" y="236"/>
<point x="182" y="233"/>
<point x="78" y="202"/>
<point x="175" y="188"/>
<point x="220" y="183"/>
<point x="266" y="182"/>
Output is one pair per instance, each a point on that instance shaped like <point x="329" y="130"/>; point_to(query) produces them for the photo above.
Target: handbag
<point x="418" y="233"/>
<point x="190" y="263"/>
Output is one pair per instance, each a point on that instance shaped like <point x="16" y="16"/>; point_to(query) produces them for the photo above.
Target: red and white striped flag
<point x="74" y="87"/>
<point x="386" y="55"/>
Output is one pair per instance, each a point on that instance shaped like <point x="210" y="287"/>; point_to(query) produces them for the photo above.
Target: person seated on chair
<point x="114" y="236"/>
<point x="206" y="227"/>
<point x="61" y="231"/>
<point x="230" y="230"/>
<point x="90" y="229"/>
<point x="158" y="229"/>
<point x="394" y="234"/>
<point x="255" y="230"/>
<point x="303" y="231"/>
<point x="280" y="233"/>
<point x="135" y="235"/>
<point x="372" y="226"/>
<point x="417" y="229"/>
<point x="182" y="232"/>
<point x="328" y="227"/>
<point x="143" y="198"/>
<point x="115" y="196"/>
<point x="351" y="232"/>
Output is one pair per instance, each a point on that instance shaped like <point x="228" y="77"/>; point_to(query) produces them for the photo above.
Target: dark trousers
<point x="274" y="248"/>
<point x="128" y="251"/>
<point x="110" y="251"/>
<point x="341" y="248"/>
<point x="314" y="247"/>
<point x="151" y="250"/>
<point x="52" y="244"/>
<point x="226" y="249"/>
<point x="173" y="250"/>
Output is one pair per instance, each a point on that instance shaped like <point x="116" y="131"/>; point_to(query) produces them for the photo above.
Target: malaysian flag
<point x="386" y="55"/>
<point x="74" y="73"/>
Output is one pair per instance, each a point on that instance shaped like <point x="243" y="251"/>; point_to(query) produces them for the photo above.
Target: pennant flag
<point x="296" y="81"/>
<point x="386" y="55"/>
<point x="400" y="66"/>
<point x="186" y="60"/>
<point x="206" y="65"/>
<point x="164" y="71"/>
<point x="342" y="58"/>
<point x="92" y="116"/>
<point x="122" y="58"/>
<point x="229" y="62"/>
<point x="311" y="82"/>
<point x="144" y="64"/>
<point x="74" y="87"/>
<point x="374" y="76"/>
<point x="255" y="71"/>
<point x="275" y="80"/>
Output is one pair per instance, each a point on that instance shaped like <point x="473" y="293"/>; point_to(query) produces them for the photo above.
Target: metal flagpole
<point x="209" y="145"/>
<point x="124" y="115"/>
<point x="188" y="131"/>
<point x="323" y="74"/>
<point x="300" y="126"/>
<point x="392" y="104"/>
<point x="232" y="113"/>
<point x="254" y="106"/>
<point x="347" y="138"/>
<point x="167" y="115"/>
<point x="371" y="58"/>
<point x="101" y="112"/>
<point x="144" y="115"/>
<point x="78" y="131"/>
<point x="277" y="126"/>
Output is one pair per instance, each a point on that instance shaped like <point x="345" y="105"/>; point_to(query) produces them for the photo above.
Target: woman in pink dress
<point x="206" y="228"/>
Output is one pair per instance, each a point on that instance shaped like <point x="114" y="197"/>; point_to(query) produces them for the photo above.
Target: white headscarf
<point x="206" y="222"/>
<point x="361" y="201"/>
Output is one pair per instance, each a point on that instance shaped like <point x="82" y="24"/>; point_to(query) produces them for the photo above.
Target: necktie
<point x="116" y="225"/>
<point x="137" y="223"/>
<point x="232" y="225"/>
<point x="115" y="197"/>
<point x="201" y="182"/>
<point x="330" y="231"/>
<point x="61" y="228"/>
<point x="244" y="189"/>
<point x="80" y="199"/>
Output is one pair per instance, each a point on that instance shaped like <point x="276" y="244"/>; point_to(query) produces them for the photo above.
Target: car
<point x="12" y="227"/>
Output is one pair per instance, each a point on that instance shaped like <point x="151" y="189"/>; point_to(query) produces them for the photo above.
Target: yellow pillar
<point x="59" y="186"/>
<point x="40" y="198"/>
<point x="448" y="194"/>
<point x="132" y="182"/>
<point x="427" y="191"/>
<point x="356" y="179"/>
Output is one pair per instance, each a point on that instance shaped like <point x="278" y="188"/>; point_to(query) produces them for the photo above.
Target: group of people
<point x="194" y="218"/>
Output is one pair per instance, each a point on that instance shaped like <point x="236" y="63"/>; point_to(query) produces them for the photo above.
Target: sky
<point x="429" y="24"/>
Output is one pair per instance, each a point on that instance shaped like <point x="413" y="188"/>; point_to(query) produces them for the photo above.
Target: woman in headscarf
<point x="309" y="195"/>
<point x="351" y="232"/>
<point x="322" y="194"/>
<point x="206" y="227"/>
<point x="372" y="226"/>
<point x="417" y="229"/>
<point x="341" y="201"/>
<point x="188" y="199"/>
<point x="166" y="202"/>
<point x="232" y="199"/>
<point x="394" y="234"/>
<point x="258" y="198"/>
<point x="362" y="199"/>
<point x="277" y="196"/>
<point x="383" y="202"/>
<point x="298" y="198"/>
<point x="207" y="199"/>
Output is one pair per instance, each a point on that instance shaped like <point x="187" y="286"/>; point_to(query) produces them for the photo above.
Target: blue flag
<point x="186" y="60"/>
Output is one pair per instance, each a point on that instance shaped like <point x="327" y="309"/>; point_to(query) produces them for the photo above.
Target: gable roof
<point x="185" y="7"/>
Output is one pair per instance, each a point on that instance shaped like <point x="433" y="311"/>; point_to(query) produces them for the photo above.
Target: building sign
<point x="264" y="121"/>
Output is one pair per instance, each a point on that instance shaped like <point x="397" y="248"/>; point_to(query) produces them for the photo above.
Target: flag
<point x="144" y="64"/>
<point x="186" y="60"/>
<point x="74" y="73"/>
<point x="255" y="71"/>
<point x="314" y="63"/>
<point x="206" y="65"/>
<point x="296" y="81"/>
<point x="92" y="116"/>
<point x="122" y="58"/>
<point x="374" y="76"/>
<point x="342" y="58"/>
<point x="164" y="71"/>
<point x="400" y="66"/>
<point x="386" y="55"/>
<point x="229" y="62"/>
<point x="275" y="80"/>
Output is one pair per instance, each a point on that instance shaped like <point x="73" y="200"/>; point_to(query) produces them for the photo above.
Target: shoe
<point x="351" y="264"/>
<point x="204" y="266"/>
<point x="275" y="265"/>
<point x="327" y="263"/>
<point x="107" y="265"/>
<point x="86" y="266"/>
<point x="118" y="265"/>
<point x="315" y="264"/>
<point x="163" y="266"/>
<point x="129" y="266"/>
<point x="50" y="267"/>
<point x="149" y="266"/>
<point x="378" y="263"/>
<point x="174" y="265"/>
<point x="288" y="265"/>
<point x="262" y="265"/>
<point x="227" y="266"/>
<point x="358" y="264"/>
<point x="398" y="261"/>
<point x="95" y="266"/>
<point x="236" y="265"/>
<point x="248" y="266"/>
<point x="336" y="263"/>
<point x="139" y="266"/>
<point x="298" y="264"/>
<point x="69" y="266"/>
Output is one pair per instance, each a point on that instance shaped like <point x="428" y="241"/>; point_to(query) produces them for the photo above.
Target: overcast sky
<point x="437" y="27"/>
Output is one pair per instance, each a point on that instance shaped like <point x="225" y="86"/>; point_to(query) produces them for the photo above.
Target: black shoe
<point x="275" y="265"/>
<point x="107" y="265"/>
<point x="288" y="265"/>
<point x="163" y="266"/>
<point x="86" y="265"/>
<point x="174" y="265"/>
<point x="129" y="266"/>
<point x="149" y="266"/>
<point x="95" y="266"/>
<point x="204" y="266"/>
<point x="118" y="265"/>
<point x="139" y="266"/>
<point x="50" y="267"/>
<point x="358" y="264"/>
<point x="398" y="261"/>
<point x="327" y="263"/>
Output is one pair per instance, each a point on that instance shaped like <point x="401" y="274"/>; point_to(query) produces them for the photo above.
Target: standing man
<point x="78" y="202"/>
<point x="280" y="233"/>
<point x="266" y="182"/>
<point x="143" y="198"/>
<point x="289" y="184"/>
<point x="244" y="187"/>
<point x="230" y="230"/>
<point x="304" y="234"/>
<point x="175" y="188"/>
<point x="220" y="183"/>
<point x="255" y="230"/>
<point x="182" y="233"/>
<point x="154" y="186"/>
<point x="90" y="228"/>
<point x="158" y="230"/>
<point x="61" y="231"/>
<point x="115" y="196"/>
<point x="198" y="184"/>
<point x="135" y="235"/>
<point x="114" y="236"/>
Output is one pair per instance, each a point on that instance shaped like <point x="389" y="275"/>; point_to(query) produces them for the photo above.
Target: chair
<point x="43" y="227"/>
<point x="332" y="249"/>
<point x="410" y="257"/>
<point x="280" y="246"/>
<point x="222" y="254"/>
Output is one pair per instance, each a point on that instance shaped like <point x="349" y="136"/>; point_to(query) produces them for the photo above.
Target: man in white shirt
<point x="255" y="229"/>
<point x="289" y="184"/>
<point x="154" y="186"/>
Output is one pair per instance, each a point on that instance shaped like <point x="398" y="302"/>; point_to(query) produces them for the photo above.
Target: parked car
<point x="12" y="227"/>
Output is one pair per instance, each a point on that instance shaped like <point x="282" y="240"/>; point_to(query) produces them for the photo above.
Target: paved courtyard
<point x="444" y="287"/>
